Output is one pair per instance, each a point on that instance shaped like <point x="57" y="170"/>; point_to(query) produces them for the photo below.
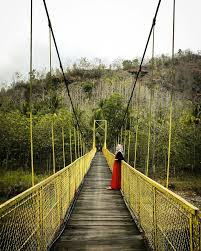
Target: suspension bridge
<point x="73" y="210"/>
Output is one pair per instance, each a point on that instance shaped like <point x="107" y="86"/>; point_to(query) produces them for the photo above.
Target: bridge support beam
<point x="100" y="125"/>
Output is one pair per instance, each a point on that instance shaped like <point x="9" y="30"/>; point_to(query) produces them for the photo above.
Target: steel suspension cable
<point x="171" y="95"/>
<point x="61" y="67"/>
<point x="140" y="66"/>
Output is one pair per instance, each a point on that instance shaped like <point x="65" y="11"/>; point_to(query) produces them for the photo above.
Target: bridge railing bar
<point x="31" y="220"/>
<point x="169" y="222"/>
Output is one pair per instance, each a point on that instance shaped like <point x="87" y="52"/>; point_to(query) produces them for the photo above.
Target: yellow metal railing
<point x="168" y="221"/>
<point x="31" y="220"/>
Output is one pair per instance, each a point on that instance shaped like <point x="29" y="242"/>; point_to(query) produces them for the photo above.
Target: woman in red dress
<point x="116" y="170"/>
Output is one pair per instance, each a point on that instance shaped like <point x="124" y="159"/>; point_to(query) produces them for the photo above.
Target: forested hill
<point x="91" y="83"/>
<point x="102" y="92"/>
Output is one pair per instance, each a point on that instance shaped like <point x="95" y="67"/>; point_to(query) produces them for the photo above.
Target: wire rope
<point x="61" y="67"/>
<point x="140" y="66"/>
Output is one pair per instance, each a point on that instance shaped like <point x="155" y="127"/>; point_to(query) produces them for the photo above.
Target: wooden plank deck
<point x="100" y="219"/>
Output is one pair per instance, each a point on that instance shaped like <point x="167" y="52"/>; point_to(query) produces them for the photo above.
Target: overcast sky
<point x="106" y="29"/>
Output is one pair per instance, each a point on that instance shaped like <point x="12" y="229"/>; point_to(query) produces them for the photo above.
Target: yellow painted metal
<point x="30" y="220"/>
<point x="171" y="96"/>
<point x="31" y="140"/>
<point x="121" y="137"/>
<point x="105" y="138"/>
<point x="150" y="110"/>
<point x="75" y="143"/>
<point x="63" y="143"/>
<point x="100" y="124"/>
<point x="30" y="101"/>
<point x="50" y="50"/>
<point x="53" y="152"/>
<point x="84" y="148"/>
<point x="168" y="221"/>
<point x="70" y="146"/>
<point x="129" y="143"/>
<point x="149" y="133"/>
<point x="125" y="136"/>
<point x="94" y="134"/>
<point x="169" y="143"/>
<point x="136" y="143"/>
<point x="78" y="144"/>
<point x="137" y="125"/>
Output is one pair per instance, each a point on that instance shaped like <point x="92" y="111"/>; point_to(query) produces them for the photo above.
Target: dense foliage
<point x="101" y="92"/>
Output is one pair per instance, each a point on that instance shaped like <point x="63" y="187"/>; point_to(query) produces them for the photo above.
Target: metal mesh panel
<point x="146" y="209"/>
<point x="168" y="221"/>
<point x="11" y="223"/>
<point x="30" y="220"/>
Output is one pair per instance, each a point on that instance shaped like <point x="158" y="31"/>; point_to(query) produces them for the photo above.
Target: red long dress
<point x="116" y="172"/>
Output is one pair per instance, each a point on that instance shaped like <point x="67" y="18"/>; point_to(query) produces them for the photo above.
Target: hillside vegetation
<point x="101" y="92"/>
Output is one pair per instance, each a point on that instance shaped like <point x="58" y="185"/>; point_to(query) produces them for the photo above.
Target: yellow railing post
<point x="137" y="126"/>
<point x="121" y="137"/>
<point x="171" y="97"/>
<point x="58" y="197"/>
<point x="129" y="142"/>
<point x="81" y="145"/>
<point x="36" y="215"/>
<point x="53" y="152"/>
<point x="78" y="144"/>
<point x="105" y="136"/>
<point x="31" y="139"/>
<point x="169" y="143"/>
<point x="168" y="221"/>
<point x="154" y="219"/>
<point x="42" y="237"/>
<point x="30" y="101"/>
<point x="63" y="143"/>
<point x="84" y="148"/>
<point x="149" y="137"/>
<point x="125" y="135"/>
<point x="136" y="144"/>
<point x="39" y="220"/>
<point x="150" y="109"/>
<point x="191" y="233"/>
<point x="94" y="135"/>
<point x="70" y="146"/>
<point x="75" y="143"/>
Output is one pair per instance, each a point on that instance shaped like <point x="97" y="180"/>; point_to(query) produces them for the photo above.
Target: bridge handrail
<point x="31" y="219"/>
<point x="168" y="221"/>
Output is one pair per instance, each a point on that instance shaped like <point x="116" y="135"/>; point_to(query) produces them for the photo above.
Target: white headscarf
<point x="119" y="148"/>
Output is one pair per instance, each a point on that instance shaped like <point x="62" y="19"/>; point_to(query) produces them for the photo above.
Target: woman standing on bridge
<point x="116" y="170"/>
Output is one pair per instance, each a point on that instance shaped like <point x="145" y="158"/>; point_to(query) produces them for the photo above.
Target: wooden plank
<point x="100" y="219"/>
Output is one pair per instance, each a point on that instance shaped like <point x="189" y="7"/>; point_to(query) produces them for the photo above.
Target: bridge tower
<point x="99" y="129"/>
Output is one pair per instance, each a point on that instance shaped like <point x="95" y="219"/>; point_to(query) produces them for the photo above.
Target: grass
<point x="188" y="187"/>
<point x="184" y="183"/>
<point x="15" y="182"/>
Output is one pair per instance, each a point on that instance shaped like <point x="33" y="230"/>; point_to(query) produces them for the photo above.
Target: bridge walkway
<point x="100" y="219"/>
